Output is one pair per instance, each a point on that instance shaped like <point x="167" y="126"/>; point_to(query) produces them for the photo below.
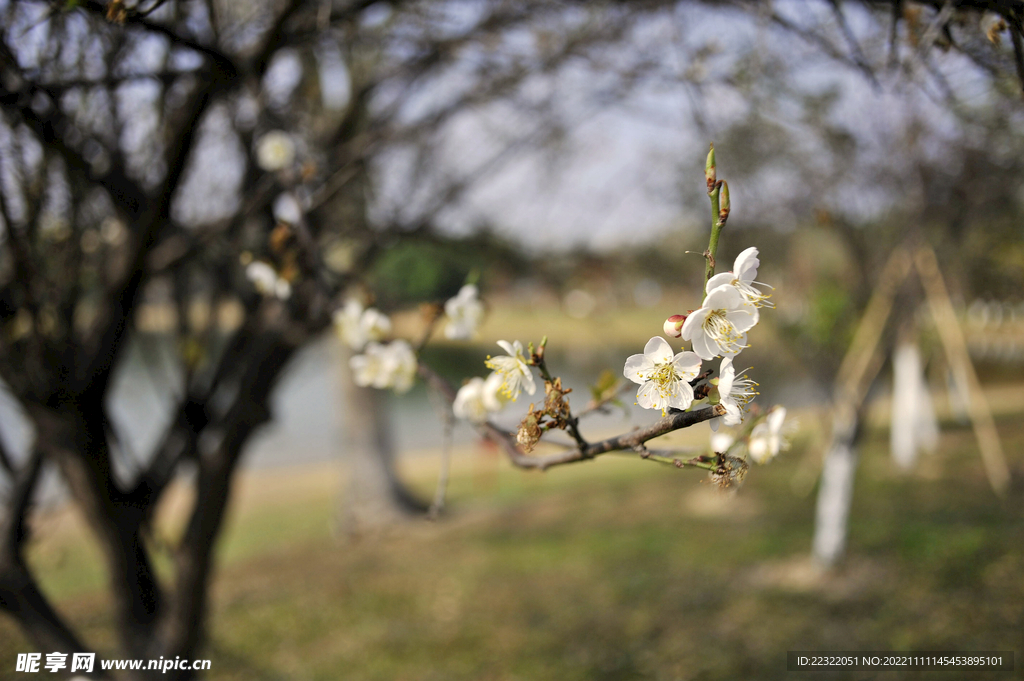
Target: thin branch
<point x="626" y="442"/>
<point x="851" y="40"/>
<point x="121" y="297"/>
<point x="1016" y="31"/>
<point x="894" y="30"/>
<point x="5" y="458"/>
<point x="816" y="39"/>
<point x="673" y="457"/>
<point x="931" y="34"/>
<point x="219" y="60"/>
<point x="598" y="405"/>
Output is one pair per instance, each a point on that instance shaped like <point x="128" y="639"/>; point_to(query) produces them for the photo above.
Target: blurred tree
<point x="228" y="159"/>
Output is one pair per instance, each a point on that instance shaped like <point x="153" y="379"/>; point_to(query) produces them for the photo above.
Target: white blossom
<point x="265" y="280"/>
<point x="357" y="326"/>
<point x="275" y="151"/>
<point x="664" y="378"/>
<point x="479" y="398"/>
<point x="767" y="439"/>
<point x="368" y="368"/>
<point x="515" y="372"/>
<point x="720" y="326"/>
<point x="742" y="278"/>
<point x="385" y="366"/>
<point x="287" y="209"/>
<point x="734" y="394"/>
<point x="464" y="312"/>
<point x="721" y="442"/>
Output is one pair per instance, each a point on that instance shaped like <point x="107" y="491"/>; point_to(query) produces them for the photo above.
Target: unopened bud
<point x="710" y="173"/>
<point x="724" y="206"/>
<point x="674" y="325"/>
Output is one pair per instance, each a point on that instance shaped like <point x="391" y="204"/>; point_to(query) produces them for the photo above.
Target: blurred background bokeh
<point x="169" y="426"/>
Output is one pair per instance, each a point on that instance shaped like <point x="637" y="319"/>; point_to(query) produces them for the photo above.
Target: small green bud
<point x="724" y="205"/>
<point x="709" y="170"/>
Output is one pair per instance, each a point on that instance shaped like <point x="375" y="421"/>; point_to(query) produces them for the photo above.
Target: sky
<point x="617" y="177"/>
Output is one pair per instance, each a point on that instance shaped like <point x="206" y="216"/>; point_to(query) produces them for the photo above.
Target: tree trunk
<point x="836" y="491"/>
<point x="376" y="497"/>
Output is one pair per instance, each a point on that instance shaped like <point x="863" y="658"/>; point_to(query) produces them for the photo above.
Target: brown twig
<point x="625" y="442"/>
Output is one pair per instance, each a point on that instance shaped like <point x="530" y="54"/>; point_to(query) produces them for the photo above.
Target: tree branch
<point x="626" y="442"/>
<point x="20" y="596"/>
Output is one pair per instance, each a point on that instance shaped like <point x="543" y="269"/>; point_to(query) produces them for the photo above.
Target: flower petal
<point x="746" y="265"/>
<point x="658" y="350"/>
<point x="507" y="347"/>
<point x="775" y="419"/>
<point x="721" y="443"/>
<point x="681" y="396"/>
<point x="723" y="298"/>
<point x="649" y="397"/>
<point x="758" y="448"/>
<point x="503" y="364"/>
<point x="721" y="279"/>
<point x="744" y="319"/>
<point x="687" y="365"/>
<point x="493" y="399"/>
<point x="726" y="375"/>
<point x="705" y="347"/>
<point x="638" y="368"/>
<point x="694" y="323"/>
<point x="531" y="387"/>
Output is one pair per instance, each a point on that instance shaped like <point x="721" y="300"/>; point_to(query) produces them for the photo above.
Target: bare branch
<point x="851" y="40"/>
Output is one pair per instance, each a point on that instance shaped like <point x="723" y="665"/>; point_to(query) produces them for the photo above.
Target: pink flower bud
<point x="674" y="324"/>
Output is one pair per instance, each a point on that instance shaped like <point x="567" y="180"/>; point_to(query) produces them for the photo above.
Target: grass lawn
<point x="613" y="569"/>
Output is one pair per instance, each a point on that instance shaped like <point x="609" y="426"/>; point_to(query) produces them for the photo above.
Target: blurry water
<point x="307" y="403"/>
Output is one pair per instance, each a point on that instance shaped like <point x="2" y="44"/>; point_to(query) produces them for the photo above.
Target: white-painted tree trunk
<point x="836" y="492"/>
<point x="914" y="426"/>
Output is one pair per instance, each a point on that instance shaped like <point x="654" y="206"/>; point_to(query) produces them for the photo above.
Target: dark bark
<point x="61" y="373"/>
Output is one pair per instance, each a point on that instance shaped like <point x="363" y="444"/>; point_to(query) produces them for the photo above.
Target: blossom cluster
<point x="765" y="441"/>
<point x="266" y="280"/>
<point x="730" y="309"/>
<point x="666" y="378"/>
<point x="391" y="365"/>
<point x="394" y="364"/>
<point x="478" y="399"/>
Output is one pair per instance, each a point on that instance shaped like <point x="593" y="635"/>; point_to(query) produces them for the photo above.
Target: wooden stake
<point x="956" y="352"/>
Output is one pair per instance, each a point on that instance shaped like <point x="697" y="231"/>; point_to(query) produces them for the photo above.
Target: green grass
<point x="614" y="569"/>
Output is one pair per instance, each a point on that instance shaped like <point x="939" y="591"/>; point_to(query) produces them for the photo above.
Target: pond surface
<point x="308" y="403"/>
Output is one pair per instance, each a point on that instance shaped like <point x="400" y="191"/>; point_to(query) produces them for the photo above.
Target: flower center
<point x="512" y="371"/>
<point x="743" y="391"/>
<point x="664" y="376"/>
<point x="718" y="327"/>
